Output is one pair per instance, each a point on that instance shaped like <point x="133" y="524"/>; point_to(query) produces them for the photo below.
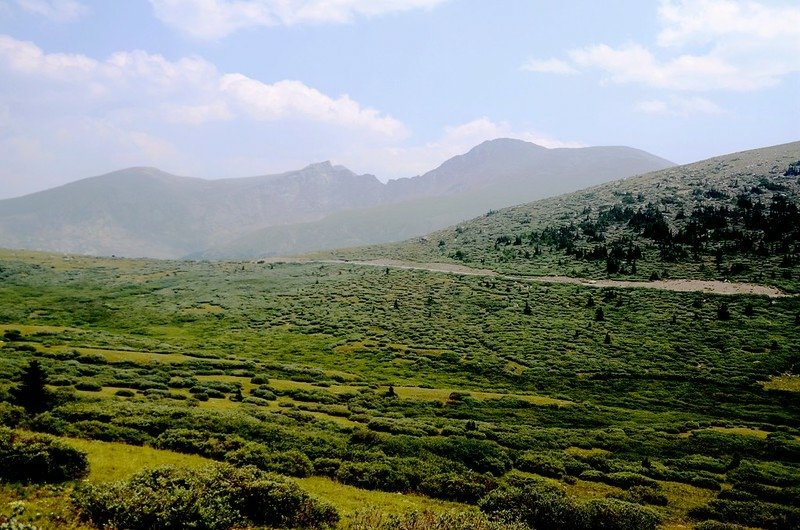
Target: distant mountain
<point x="731" y="217"/>
<point x="146" y="212"/>
<point x="529" y="167"/>
<point x="495" y="174"/>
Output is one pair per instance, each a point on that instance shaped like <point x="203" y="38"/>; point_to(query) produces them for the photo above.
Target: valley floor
<point x="408" y="387"/>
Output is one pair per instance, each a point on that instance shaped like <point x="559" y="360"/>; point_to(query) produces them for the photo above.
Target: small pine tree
<point x="590" y="301"/>
<point x="31" y="392"/>
<point x="390" y="392"/>
<point x="749" y="310"/>
<point x="396" y="304"/>
<point x="607" y="340"/>
<point x="723" y="313"/>
<point x="599" y="314"/>
<point x="527" y="310"/>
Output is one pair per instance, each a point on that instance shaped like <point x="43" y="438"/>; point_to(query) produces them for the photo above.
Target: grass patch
<point x="111" y="461"/>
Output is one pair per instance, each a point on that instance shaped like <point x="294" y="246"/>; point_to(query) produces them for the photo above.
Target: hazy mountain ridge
<point x="147" y="212"/>
<point x="494" y="174"/>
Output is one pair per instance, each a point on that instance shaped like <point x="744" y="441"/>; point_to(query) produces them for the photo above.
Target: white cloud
<point x="710" y="21"/>
<point x="294" y="99"/>
<point x="212" y="19"/>
<point x="26" y="58"/>
<point x="705" y="45"/>
<point x="633" y="63"/>
<point x="549" y="66"/>
<point x="55" y="10"/>
<point x="189" y="90"/>
<point x="679" y="106"/>
<point x="398" y="161"/>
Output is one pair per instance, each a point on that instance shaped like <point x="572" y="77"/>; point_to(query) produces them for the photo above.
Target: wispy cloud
<point x="704" y="45"/>
<point x="188" y="90"/>
<point x="213" y="19"/>
<point x="55" y="10"/>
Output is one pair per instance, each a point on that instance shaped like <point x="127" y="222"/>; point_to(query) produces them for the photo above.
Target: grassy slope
<point x="682" y="188"/>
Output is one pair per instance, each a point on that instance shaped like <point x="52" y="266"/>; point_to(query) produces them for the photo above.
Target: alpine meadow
<point x="538" y="331"/>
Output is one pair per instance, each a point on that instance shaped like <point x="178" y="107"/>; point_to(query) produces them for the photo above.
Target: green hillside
<point x="732" y="217"/>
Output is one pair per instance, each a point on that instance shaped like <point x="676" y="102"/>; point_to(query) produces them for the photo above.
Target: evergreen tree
<point x="31" y="392"/>
<point x="599" y="315"/>
<point x="527" y="310"/>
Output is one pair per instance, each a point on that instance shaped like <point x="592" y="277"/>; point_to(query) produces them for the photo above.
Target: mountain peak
<point x="507" y="142"/>
<point x="320" y="165"/>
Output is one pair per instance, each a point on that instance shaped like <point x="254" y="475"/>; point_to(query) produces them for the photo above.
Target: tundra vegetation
<point x="321" y="395"/>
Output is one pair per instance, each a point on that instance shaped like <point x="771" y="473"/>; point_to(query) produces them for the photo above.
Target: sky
<point x="232" y="88"/>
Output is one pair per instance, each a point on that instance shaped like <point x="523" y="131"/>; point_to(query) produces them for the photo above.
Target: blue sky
<point x="218" y="88"/>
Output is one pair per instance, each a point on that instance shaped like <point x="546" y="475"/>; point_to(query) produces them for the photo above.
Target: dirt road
<point x="704" y="286"/>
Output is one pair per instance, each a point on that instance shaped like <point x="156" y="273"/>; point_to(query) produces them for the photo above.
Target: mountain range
<point x="145" y="212"/>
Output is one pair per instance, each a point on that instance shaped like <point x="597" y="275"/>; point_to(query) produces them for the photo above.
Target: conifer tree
<point x="31" y="392"/>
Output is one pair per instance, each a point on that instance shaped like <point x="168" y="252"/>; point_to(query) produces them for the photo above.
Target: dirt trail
<point x="683" y="286"/>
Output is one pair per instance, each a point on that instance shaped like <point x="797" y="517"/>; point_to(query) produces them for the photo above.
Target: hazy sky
<point x="226" y="88"/>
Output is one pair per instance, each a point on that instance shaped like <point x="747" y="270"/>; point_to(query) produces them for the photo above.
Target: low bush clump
<point x="544" y="506"/>
<point x="292" y="462"/>
<point x="376" y="520"/>
<point x="460" y="487"/>
<point x="217" y="497"/>
<point x="38" y="458"/>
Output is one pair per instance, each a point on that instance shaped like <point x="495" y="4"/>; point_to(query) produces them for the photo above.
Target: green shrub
<point x="750" y="513"/>
<point x="545" y="506"/>
<point x="376" y="520"/>
<point x="327" y="466"/>
<point x="613" y="514"/>
<point x="537" y="504"/>
<point x="10" y="415"/>
<point x="622" y="479"/>
<point x="643" y="495"/>
<point x="716" y="525"/>
<point x="483" y="456"/>
<point x="466" y="487"/>
<point x="549" y="464"/>
<point x="264" y="392"/>
<point x="109" y="432"/>
<point x="293" y="462"/>
<point x="198" y="442"/>
<point x="218" y="497"/>
<point x="373" y="475"/>
<point x="89" y="386"/>
<point x="38" y="458"/>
